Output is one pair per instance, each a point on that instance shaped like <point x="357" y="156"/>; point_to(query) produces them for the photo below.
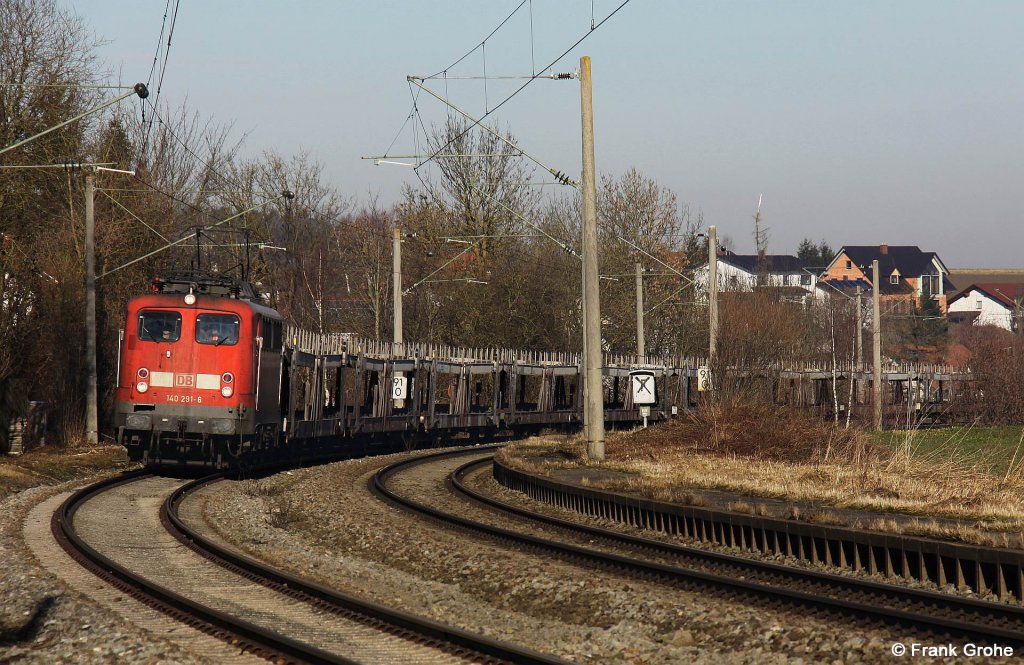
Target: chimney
<point x="883" y="249"/>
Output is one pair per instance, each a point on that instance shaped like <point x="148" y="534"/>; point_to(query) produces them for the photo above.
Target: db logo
<point x="184" y="380"/>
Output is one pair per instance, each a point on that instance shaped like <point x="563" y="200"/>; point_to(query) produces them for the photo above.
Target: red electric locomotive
<point x="199" y="378"/>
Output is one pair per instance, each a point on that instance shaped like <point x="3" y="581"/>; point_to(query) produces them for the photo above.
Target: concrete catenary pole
<point x="91" y="411"/>
<point x="876" y="337"/>
<point x="396" y="274"/>
<point x="641" y="352"/>
<point x="583" y="361"/>
<point x="712" y="294"/>
<point x="858" y="340"/>
<point x="593" y="392"/>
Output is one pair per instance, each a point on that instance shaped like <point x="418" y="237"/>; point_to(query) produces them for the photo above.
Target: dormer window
<point x="894" y="279"/>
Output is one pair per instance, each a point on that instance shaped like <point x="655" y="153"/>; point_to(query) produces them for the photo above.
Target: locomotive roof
<point x="204" y="283"/>
<point x="176" y="301"/>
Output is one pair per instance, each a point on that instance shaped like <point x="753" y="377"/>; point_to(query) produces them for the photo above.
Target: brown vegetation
<point x="826" y="473"/>
<point x="51" y="466"/>
<point x="747" y="430"/>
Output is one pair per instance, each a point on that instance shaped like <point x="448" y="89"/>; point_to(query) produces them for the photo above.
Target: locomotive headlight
<point x="227" y="391"/>
<point x="227" y="377"/>
<point x="143" y="373"/>
<point x="190" y="299"/>
<point x="142" y="386"/>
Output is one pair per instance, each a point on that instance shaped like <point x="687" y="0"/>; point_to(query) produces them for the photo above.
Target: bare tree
<point x="483" y="188"/>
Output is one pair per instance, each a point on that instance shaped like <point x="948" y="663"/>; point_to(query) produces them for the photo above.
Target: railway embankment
<point x="323" y="523"/>
<point x="759" y="481"/>
<point x="767" y="462"/>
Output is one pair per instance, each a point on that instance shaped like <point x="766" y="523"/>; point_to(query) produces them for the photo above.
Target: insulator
<point x="564" y="75"/>
<point x="561" y="177"/>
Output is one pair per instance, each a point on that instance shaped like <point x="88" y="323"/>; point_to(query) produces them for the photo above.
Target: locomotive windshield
<point x="156" y="326"/>
<point x="217" y="329"/>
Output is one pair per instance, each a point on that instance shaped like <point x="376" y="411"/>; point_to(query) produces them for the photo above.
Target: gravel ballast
<point x="324" y="523"/>
<point x="69" y="627"/>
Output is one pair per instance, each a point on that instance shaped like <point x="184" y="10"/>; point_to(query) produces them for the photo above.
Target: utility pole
<point x="396" y="270"/>
<point x="876" y="335"/>
<point x="91" y="412"/>
<point x="583" y="362"/>
<point x="640" y="350"/>
<point x="712" y="294"/>
<point x="593" y="391"/>
<point x="858" y="340"/>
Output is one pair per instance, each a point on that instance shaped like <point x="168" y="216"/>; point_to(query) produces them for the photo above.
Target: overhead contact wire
<point x="524" y="85"/>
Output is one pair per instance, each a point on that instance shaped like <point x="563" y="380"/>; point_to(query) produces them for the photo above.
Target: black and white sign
<point x="703" y="379"/>
<point x="642" y="383"/>
<point x="399" y="385"/>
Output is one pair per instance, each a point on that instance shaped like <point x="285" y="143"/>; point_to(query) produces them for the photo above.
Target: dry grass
<point x="286" y="513"/>
<point x="51" y="466"/>
<point x="763" y="451"/>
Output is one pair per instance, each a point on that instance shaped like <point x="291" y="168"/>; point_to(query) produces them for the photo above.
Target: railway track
<point x="938" y="614"/>
<point x="160" y="560"/>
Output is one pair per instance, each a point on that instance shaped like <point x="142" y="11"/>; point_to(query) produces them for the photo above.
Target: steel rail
<point x="403" y="624"/>
<point x="1006" y="614"/>
<point x="690" y="577"/>
<point x="251" y="637"/>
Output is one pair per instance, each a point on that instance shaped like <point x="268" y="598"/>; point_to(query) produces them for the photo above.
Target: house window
<point x="977" y="304"/>
<point x="849" y="264"/>
<point x="894" y="279"/>
<point x="931" y="284"/>
<point x="805" y="280"/>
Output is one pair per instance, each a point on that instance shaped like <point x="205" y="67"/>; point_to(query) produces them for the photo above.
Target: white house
<point x="987" y="304"/>
<point x="739" y="272"/>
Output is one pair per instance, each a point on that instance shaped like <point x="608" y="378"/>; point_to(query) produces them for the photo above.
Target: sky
<point x="859" y="123"/>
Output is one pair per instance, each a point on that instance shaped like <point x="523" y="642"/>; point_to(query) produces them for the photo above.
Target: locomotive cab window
<point x="217" y="329"/>
<point x="156" y="326"/>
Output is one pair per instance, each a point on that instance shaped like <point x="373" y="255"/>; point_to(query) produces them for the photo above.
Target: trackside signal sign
<point x="642" y="383"/>
<point x="398" y="387"/>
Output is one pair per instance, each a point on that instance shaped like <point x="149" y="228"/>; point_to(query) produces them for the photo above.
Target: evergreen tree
<point x="814" y="255"/>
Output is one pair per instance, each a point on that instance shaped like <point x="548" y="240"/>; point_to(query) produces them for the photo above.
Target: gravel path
<point x="72" y="625"/>
<point x="324" y="523"/>
<point x="123" y="524"/>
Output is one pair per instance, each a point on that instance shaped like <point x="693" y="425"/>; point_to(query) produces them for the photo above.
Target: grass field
<point x="994" y="448"/>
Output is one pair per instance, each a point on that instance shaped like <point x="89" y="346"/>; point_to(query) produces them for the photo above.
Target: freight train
<point x="210" y="375"/>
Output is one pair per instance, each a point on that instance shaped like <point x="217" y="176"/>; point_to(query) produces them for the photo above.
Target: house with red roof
<point x="988" y="304"/>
